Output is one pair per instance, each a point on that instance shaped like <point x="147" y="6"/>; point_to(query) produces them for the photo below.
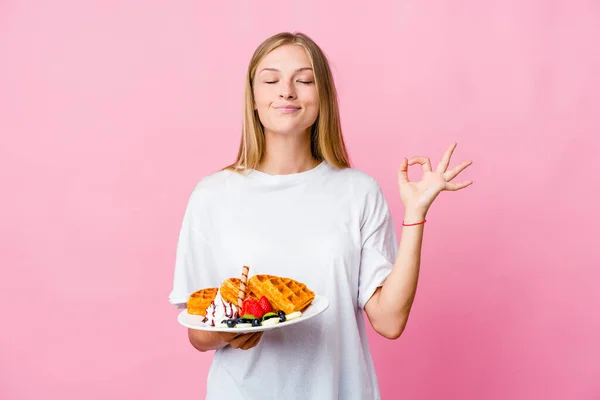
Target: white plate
<point x="318" y="305"/>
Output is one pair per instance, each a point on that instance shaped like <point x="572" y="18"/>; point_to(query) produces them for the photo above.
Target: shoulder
<point x="211" y="186"/>
<point x="365" y="192"/>
<point x="212" y="181"/>
<point x="359" y="181"/>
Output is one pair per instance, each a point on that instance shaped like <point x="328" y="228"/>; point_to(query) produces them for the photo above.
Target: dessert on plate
<point x="262" y="300"/>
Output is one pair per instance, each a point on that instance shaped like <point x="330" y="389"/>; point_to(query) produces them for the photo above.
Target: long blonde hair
<point x="327" y="142"/>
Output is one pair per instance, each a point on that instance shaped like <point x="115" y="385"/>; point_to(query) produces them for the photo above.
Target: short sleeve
<point x="379" y="245"/>
<point x="194" y="262"/>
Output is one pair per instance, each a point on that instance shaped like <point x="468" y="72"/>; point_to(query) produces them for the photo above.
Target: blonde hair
<point x="327" y="142"/>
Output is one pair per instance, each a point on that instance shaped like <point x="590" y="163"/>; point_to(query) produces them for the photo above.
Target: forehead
<point x="285" y="58"/>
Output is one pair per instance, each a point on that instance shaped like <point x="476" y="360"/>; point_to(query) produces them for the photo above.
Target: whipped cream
<point x="218" y="310"/>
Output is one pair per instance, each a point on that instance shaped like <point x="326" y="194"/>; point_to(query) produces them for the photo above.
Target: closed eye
<point x="304" y="82"/>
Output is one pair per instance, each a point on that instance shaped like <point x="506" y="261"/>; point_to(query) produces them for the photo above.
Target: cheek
<point x="313" y="104"/>
<point x="261" y="96"/>
<point x="312" y="98"/>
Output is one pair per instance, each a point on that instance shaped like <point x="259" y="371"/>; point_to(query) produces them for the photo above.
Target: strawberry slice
<point x="245" y="303"/>
<point x="265" y="304"/>
<point x="252" y="307"/>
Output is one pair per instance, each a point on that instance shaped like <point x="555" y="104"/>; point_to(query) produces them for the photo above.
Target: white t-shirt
<point x="328" y="228"/>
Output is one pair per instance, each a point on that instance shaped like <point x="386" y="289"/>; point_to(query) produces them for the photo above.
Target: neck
<point x="287" y="154"/>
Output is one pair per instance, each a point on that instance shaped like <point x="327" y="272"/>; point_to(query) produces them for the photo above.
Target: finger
<point x="457" y="186"/>
<point x="449" y="175"/>
<point x="253" y="341"/>
<point x="239" y="341"/>
<point x="244" y="341"/>
<point x="228" y="337"/>
<point x="424" y="161"/>
<point x="403" y="172"/>
<point x="445" y="161"/>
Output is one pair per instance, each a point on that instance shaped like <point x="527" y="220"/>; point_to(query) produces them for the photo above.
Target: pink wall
<point x="110" y="112"/>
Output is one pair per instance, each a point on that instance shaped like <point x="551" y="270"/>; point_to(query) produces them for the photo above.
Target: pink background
<point x="111" y="111"/>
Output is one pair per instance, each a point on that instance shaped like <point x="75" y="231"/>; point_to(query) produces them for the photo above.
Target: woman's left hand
<point x="418" y="196"/>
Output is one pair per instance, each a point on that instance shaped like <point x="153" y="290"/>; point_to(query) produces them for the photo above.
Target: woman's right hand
<point x="206" y="341"/>
<point x="243" y="341"/>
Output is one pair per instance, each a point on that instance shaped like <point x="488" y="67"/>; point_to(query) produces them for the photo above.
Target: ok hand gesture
<point x="418" y="196"/>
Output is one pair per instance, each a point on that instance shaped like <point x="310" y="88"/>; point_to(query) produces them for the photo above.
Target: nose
<point x="287" y="91"/>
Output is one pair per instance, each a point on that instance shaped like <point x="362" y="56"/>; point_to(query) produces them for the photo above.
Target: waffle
<point x="231" y="288"/>
<point x="200" y="300"/>
<point x="284" y="294"/>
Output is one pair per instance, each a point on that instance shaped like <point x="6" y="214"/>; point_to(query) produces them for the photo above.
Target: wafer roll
<point x="242" y="292"/>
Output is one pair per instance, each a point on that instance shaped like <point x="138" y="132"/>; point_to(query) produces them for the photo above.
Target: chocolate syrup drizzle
<point x="231" y="313"/>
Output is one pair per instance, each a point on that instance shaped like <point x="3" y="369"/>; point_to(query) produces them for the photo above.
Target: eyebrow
<point x="276" y="70"/>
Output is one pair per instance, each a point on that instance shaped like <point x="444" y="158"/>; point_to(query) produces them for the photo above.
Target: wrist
<point x="412" y="216"/>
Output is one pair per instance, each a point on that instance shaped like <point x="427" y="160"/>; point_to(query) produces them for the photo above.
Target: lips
<point x="288" y="108"/>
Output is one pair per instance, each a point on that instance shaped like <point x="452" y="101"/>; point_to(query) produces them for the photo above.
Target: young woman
<point x="291" y="205"/>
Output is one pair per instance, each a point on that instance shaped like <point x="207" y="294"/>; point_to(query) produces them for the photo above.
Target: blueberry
<point x="244" y="320"/>
<point x="230" y="323"/>
<point x="281" y="315"/>
<point x="256" y="322"/>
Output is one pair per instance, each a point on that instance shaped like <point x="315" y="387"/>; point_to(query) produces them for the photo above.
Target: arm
<point x="206" y="341"/>
<point x="389" y="307"/>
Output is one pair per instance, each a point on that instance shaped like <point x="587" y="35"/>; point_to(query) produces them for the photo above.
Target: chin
<point x="289" y="130"/>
